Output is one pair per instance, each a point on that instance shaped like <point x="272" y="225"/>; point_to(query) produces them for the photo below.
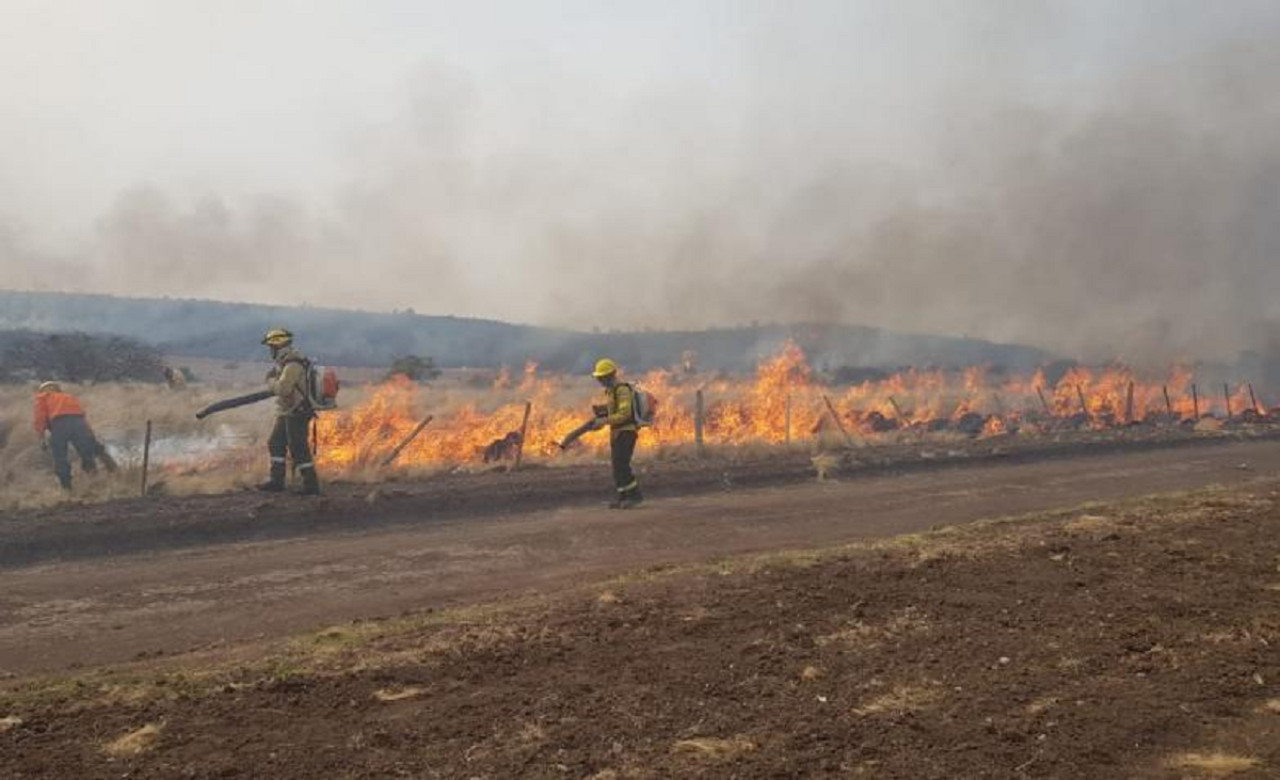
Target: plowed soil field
<point x="876" y="626"/>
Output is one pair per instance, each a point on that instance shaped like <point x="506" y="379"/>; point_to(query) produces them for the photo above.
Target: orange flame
<point x="784" y="401"/>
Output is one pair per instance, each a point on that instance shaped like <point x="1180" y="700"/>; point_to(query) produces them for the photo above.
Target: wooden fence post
<point x="699" y="413"/>
<point x="146" y="458"/>
<point x="788" y="421"/>
<point x="1044" y="403"/>
<point x="387" y="461"/>
<point x="524" y="431"/>
<point x="835" y="417"/>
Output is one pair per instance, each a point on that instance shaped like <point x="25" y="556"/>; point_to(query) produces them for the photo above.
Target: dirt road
<point x="89" y="612"/>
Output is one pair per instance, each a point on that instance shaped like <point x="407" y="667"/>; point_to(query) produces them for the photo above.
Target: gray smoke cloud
<point x="1100" y="182"/>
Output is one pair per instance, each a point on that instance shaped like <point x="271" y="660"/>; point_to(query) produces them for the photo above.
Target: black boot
<point x="276" y="483"/>
<point x="627" y="500"/>
<point x="310" y="482"/>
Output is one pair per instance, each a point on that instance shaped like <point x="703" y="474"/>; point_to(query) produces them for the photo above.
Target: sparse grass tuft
<point x="1212" y="764"/>
<point x="335" y="636"/>
<point x="712" y="749"/>
<point x="135" y="743"/>
<point x="907" y="622"/>
<point x="903" y="699"/>
<point x="390" y="695"/>
<point x="532" y="734"/>
<point x="1042" y="705"/>
<point x="1088" y="523"/>
<point x="824" y="465"/>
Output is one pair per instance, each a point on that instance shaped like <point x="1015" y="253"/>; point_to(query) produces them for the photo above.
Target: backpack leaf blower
<point x="234" y="403"/>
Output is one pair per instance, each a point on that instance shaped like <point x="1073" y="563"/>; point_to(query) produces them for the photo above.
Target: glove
<point x="44" y="441"/>
<point x="272" y="374"/>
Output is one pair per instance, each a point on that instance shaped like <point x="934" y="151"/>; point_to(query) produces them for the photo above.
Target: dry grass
<point x="1212" y="764"/>
<point x="532" y="734"/>
<point x="1042" y="705"/>
<point x="712" y="749"/>
<point x="118" y="413"/>
<point x="390" y="695"/>
<point x="824" y="465"/>
<point x="10" y="723"/>
<point x="1271" y="706"/>
<point x="909" y="621"/>
<point x="899" y="701"/>
<point x="1087" y="523"/>
<point x="135" y="743"/>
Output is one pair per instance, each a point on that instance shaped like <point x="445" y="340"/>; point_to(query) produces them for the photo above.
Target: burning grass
<point x="477" y="427"/>
<point x="785" y="403"/>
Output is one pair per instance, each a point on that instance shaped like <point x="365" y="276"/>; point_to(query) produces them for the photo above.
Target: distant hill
<point x="77" y="357"/>
<point x="231" y="331"/>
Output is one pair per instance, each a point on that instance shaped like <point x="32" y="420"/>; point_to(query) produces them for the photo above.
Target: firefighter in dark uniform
<point x="619" y="416"/>
<point x="294" y="412"/>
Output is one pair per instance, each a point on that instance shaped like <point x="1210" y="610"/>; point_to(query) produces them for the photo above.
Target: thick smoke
<point x="1112" y="198"/>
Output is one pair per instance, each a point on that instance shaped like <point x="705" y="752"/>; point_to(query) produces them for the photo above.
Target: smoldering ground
<point x="1097" y="180"/>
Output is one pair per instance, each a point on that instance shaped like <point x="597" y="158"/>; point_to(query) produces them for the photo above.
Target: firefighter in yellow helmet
<point x="288" y="380"/>
<point x="619" y="417"/>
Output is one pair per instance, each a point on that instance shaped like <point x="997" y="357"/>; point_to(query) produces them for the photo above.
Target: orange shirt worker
<point x="60" y="422"/>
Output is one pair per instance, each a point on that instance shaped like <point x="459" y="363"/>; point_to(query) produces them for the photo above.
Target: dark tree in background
<point x="77" y="357"/>
<point x="414" y="368"/>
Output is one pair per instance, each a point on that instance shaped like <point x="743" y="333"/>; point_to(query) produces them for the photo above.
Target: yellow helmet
<point x="277" y="337"/>
<point x="604" y="368"/>
<point x="49" y="387"/>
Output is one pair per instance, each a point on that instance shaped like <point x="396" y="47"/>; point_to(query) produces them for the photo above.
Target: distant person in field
<point x="619" y="416"/>
<point x="288" y="380"/>
<point x="174" y="379"/>
<point x="60" y="423"/>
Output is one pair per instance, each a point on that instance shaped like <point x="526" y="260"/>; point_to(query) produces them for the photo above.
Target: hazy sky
<point x="1096" y="177"/>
